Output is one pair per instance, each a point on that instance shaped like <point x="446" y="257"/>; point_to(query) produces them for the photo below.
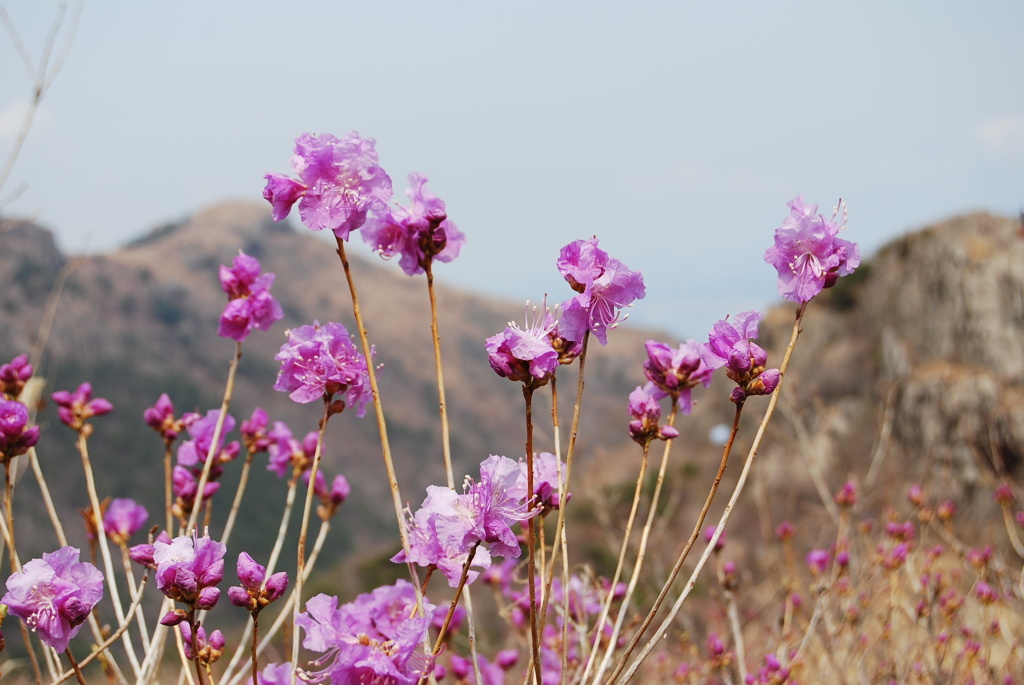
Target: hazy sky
<point x="674" y="131"/>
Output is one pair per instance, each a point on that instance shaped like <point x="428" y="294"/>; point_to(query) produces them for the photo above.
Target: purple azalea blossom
<point x="288" y="454"/>
<point x="377" y="638"/>
<point x="160" y="417"/>
<point x="75" y="408"/>
<point x="322" y="360"/>
<point x="340" y="183"/>
<point x="525" y="354"/>
<point x="123" y="518"/>
<point x="188" y="569"/>
<point x="449" y="526"/>
<point x="420" y="233"/>
<point x="14" y="375"/>
<point x="54" y="595"/>
<point x="250" y="303"/>
<point x="808" y="254"/>
<point x="545" y="479"/>
<point x="254" y="431"/>
<point x="730" y="344"/>
<point x="16" y="436"/>
<point x="193" y="453"/>
<point x="143" y="553"/>
<point x="605" y="285"/>
<point x="677" y="371"/>
<point x="645" y="412"/>
<point x="491" y="673"/>
<point x="256" y="590"/>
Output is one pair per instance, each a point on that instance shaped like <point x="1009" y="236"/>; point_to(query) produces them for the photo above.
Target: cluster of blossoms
<point x="256" y="590"/>
<point x="319" y="362"/>
<point x="376" y="638"/>
<point x="16" y="436"/>
<point x="644" y="413"/>
<point x="604" y="286"/>
<point x="730" y="344"/>
<point x="340" y="183"/>
<point x="250" y="304"/>
<point x="188" y="570"/>
<point x="193" y="455"/>
<point x="14" y="375"/>
<point x="76" y="407"/>
<point x="808" y="253"/>
<point x="54" y="595"/>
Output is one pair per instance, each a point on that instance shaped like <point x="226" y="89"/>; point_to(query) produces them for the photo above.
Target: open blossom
<point x="288" y="454"/>
<point x="731" y="344"/>
<point x="525" y="354"/>
<point x="377" y="638"/>
<point x="808" y="252"/>
<point x="449" y="526"/>
<point x="604" y="286"/>
<point x="54" y="595"/>
<point x="193" y="453"/>
<point x="16" y="436"/>
<point x="75" y="408"/>
<point x="250" y="304"/>
<point x="420" y="233"/>
<point x="319" y="361"/>
<point x="677" y="371"/>
<point x="123" y="518"/>
<point x="340" y="183"/>
<point x="188" y="569"/>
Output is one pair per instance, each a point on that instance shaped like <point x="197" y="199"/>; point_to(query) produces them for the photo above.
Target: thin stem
<point x="694" y="534"/>
<point x="564" y="494"/>
<point x="377" y="407"/>
<point x="126" y="563"/>
<point x="74" y="666"/>
<point x="200" y="673"/>
<point x="255" y="642"/>
<point x="282" y="527"/>
<point x="230" y="677"/>
<point x="748" y="463"/>
<point x="531" y="534"/>
<point x="168" y="488"/>
<point x="300" y="566"/>
<point x="243" y="480"/>
<point x="215" y="442"/>
<point x="108" y="565"/>
<point x="445" y="441"/>
<point x="607" y="604"/>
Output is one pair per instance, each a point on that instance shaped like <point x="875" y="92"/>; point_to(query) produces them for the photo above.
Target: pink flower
<point x="808" y="254"/>
<point x="75" y="408"/>
<point x="319" y="361"/>
<point x="420" y="233"/>
<point x="54" y="595"/>
<point x="123" y="518"/>
<point x="340" y="183"/>
<point x="604" y="286"/>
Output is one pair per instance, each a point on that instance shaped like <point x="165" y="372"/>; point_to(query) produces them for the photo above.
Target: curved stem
<point x="378" y="408"/>
<point x="531" y="533"/>
<point x="751" y="455"/>
<point x="300" y="566"/>
<point x="74" y="666"/>
<point x="607" y="604"/>
<point x="694" y="534"/>
<point x="108" y="565"/>
<point x="218" y="429"/>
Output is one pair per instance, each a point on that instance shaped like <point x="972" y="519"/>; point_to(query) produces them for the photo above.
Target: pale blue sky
<point x="675" y="132"/>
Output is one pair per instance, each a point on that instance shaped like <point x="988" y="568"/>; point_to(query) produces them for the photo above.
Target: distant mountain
<point x="910" y="370"/>
<point x="142" y="320"/>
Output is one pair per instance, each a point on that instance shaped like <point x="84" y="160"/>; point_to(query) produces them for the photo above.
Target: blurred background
<point x="674" y="131"/>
